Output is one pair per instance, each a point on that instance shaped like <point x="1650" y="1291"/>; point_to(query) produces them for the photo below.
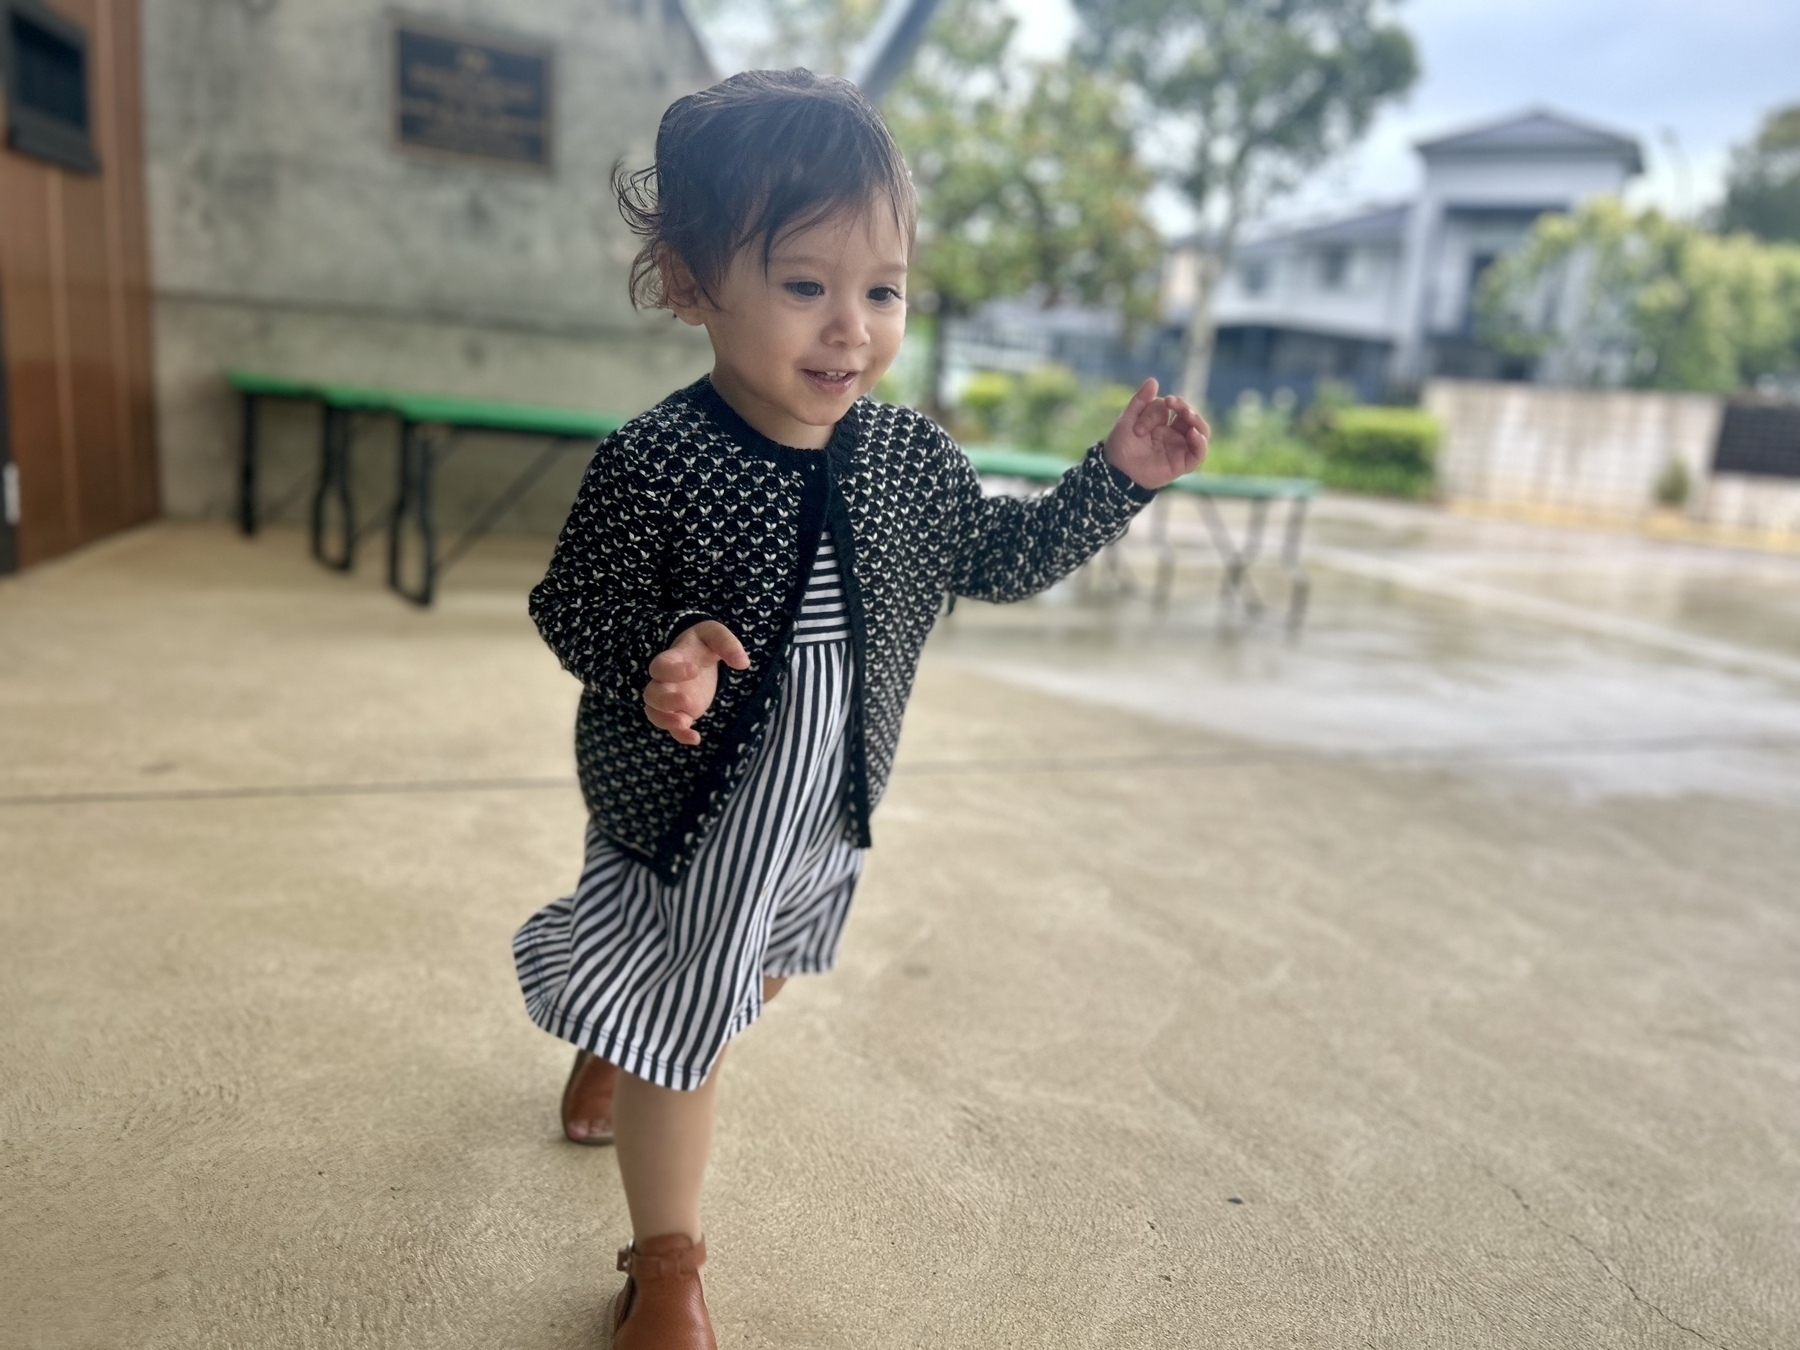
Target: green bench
<point x="1236" y="554"/>
<point x="430" y="426"/>
<point x="429" y="430"/>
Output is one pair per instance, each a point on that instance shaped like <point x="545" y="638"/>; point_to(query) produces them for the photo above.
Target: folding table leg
<point x="1165" y="552"/>
<point x="1299" y="583"/>
<point x="1229" y="556"/>
<point x="1247" y="556"/>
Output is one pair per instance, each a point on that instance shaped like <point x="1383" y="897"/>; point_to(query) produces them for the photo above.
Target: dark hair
<point x="751" y="159"/>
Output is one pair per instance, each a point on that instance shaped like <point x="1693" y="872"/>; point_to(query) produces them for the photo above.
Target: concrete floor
<point x="1426" y="981"/>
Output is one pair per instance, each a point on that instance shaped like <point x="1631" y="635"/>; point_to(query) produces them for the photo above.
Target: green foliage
<point x="1330" y="397"/>
<point x="1400" y="438"/>
<point x="1045" y="395"/>
<point x="984" y="404"/>
<point x="1260" y="439"/>
<point x="1028" y="179"/>
<point x="1608" y="297"/>
<point x="1047" y="408"/>
<point x="1391" y="452"/>
<point x="1379" y="480"/>
<point x="1673" y="485"/>
<point x="1289" y="458"/>
<point x="1762" y="194"/>
<point x="1256" y="421"/>
<point x="1088" y="419"/>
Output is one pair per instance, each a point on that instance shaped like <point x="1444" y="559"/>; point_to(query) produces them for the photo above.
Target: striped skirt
<point x="657" y="978"/>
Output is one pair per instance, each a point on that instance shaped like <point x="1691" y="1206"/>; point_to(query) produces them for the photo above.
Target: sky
<point x="1702" y="72"/>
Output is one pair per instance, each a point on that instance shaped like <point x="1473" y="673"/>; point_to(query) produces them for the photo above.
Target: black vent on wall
<point x="46" y="75"/>
<point x="1760" y="438"/>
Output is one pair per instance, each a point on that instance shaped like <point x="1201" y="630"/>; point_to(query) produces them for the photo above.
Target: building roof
<point x="1541" y="131"/>
<point x="1385" y="224"/>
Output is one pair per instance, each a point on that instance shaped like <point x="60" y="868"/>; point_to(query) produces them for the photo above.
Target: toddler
<point x="743" y="588"/>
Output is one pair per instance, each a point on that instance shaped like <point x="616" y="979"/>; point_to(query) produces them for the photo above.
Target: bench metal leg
<point x="247" y="518"/>
<point x="413" y="504"/>
<point x="334" y="490"/>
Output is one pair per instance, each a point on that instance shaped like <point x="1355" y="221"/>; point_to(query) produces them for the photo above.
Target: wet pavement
<point x="1424" y="978"/>
<point x="1606" y="664"/>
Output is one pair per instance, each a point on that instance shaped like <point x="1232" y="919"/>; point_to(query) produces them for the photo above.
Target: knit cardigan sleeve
<point x="598" y="605"/>
<point x="1012" y="547"/>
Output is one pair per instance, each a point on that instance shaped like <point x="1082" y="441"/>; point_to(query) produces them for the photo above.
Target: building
<point x="415" y="197"/>
<point x="1382" y="299"/>
<point x="342" y="190"/>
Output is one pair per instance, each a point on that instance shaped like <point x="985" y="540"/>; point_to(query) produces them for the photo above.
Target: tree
<point x="1608" y="297"/>
<point x="1264" y="92"/>
<point x="1762" y="193"/>
<point x="1028" y="181"/>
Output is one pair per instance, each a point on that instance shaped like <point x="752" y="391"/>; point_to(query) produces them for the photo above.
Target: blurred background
<point x="1359" y="908"/>
<point x="1448" y="210"/>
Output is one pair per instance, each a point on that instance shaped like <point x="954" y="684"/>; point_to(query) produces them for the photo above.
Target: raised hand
<point x="1156" y="440"/>
<point x="684" y="679"/>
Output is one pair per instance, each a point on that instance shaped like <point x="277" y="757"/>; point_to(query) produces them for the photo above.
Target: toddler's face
<point x="795" y="346"/>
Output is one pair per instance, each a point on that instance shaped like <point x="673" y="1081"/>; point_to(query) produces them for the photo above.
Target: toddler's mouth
<point x="832" y="381"/>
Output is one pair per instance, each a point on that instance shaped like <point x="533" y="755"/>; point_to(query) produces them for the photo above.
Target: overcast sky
<point x="1705" y="70"/>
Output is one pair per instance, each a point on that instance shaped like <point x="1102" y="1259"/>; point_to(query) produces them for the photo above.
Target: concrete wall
<point x="1747" y="502"/>
<point x="1598" y="451"/>
<point x="1580" y="449"/>
<point x="289" y="234"/>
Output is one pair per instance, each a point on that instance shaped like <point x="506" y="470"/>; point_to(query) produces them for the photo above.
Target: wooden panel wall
<point x="75" y="303"/>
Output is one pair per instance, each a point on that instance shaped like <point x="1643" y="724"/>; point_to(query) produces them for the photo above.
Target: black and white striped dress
<point x="657" y="978"/>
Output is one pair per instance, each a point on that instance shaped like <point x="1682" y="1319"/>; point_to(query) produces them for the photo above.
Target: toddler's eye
<point x="881" y="295"/>
<point x="811" y="290"/>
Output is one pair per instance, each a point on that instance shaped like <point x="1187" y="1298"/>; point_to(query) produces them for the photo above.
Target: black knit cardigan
<point x="688" y="513"/>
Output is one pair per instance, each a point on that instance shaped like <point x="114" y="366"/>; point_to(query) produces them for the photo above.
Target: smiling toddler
<point x="743" y="589"/>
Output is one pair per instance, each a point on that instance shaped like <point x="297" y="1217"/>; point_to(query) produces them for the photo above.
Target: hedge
<point x="1390" y="451"/>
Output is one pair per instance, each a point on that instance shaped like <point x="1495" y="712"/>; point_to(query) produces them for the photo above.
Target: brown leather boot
<point x="662" y="1306"/>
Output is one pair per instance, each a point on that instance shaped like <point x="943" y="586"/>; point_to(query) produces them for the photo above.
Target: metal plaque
<point x="472" y="97"/>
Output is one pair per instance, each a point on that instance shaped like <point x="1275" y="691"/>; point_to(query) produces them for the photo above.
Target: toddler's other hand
<point x="1156" y="440"/>
<point x="684" y="679"/>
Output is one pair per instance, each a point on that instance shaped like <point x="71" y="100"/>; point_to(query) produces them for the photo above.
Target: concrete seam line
<point x="1439" y="754"/>
<point x="262" y="791"/>
<point x="1421" y="754"/>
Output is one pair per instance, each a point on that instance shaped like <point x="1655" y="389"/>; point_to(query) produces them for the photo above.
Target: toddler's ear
<point x="681" y="293"/>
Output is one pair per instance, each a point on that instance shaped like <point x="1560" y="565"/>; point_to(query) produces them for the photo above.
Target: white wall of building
<point x="1297" y="293"/>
